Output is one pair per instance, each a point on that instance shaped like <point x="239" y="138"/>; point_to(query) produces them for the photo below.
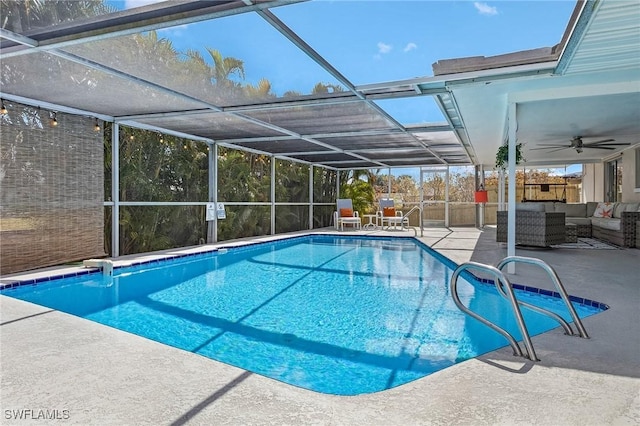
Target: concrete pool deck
<point x="85" y="373"/>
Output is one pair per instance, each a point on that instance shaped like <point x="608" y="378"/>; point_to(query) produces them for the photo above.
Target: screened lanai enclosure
<point x="123" y="129"/>
<point x="68" y="184"/>
<point x="115" y="140"/>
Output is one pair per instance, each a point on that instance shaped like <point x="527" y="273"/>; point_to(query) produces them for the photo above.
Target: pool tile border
<point x="251" y="244"/>
<point x="555" y="294"/>
<point x="34" y="281"/>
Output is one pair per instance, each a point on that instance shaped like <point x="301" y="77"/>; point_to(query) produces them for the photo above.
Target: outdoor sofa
<point x="611" y="222"/>
<point x="534" y="226"/>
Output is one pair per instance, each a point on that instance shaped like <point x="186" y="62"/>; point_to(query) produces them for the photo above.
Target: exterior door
<point x="613" y="180"/>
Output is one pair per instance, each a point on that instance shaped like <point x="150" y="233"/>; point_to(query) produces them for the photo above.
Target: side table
<point x="370" y="225"/>
<point x="571" y="233"/>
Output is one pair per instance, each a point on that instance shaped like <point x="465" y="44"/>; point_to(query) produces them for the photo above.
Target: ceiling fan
<point x="577" y="144"/>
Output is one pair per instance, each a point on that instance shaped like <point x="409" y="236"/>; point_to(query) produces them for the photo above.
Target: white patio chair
<point x="345" y="215"/>
<point x="389" y="216"/>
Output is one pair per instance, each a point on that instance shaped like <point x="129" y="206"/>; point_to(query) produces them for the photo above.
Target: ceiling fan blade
<point x="606" y="144"/>
<point x="599" y="147"/>
<point x="550" y="147"/>
<point x="598" y="142"/>
<point x="560" y="149"/>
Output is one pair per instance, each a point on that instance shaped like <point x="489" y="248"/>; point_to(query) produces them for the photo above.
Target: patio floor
<point x="102" y="376"/>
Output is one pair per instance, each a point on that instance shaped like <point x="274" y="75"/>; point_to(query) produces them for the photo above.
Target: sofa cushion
<point x="604" y="210"/>
<point x="591" y="207"/>
<point x="578" y="220"/>
<point x="530" y="207"/>
<point x="573" y="210"/>
<point x="624" y="207"/>
<point x="632" y="207"/>
<point x="606" y="223"/>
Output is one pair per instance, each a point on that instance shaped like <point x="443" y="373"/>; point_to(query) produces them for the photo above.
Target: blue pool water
<point x="332" y="314"/>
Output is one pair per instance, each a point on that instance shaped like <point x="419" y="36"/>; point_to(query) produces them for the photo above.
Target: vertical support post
<point x="511" y="210"/>
<point x="311" y="196"/>
<point x="389" y="183"/>
<point x="337" y="196"/>
<point x="501" y="205"/>
<point x="482" y="205"/>
<point x="446" y="197"/>
<point x="212" y="226"/>
<point x="421" y="198"/>
<point x="273" y="195"/>
<point x="115" y="190"/>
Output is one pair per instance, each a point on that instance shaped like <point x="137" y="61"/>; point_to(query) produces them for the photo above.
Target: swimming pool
<point x="334" y="314"/>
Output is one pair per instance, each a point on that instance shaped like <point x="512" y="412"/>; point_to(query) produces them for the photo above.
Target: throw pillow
<point x="346" y="213"/>
<point x="604" y="210"/>
<point x="388" y="211"/>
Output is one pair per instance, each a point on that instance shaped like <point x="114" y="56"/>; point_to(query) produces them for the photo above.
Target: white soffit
<point x="611" y="40"/>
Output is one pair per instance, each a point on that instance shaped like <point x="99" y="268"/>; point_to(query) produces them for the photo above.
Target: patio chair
<point x="345" y="215"/>
<point x="389" y="216"/>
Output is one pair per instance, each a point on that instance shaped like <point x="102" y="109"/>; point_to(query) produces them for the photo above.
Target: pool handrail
<point x="499" y="277"/>
<point x="561" y="290"/>
<point x="406" y="216"/>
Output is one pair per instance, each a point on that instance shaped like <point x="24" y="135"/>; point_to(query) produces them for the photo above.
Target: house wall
<point x="629" y="170"/>
<point x="593" y="182"/>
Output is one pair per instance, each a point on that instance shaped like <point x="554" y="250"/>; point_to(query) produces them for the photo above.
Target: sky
<point x="373" y="41"/>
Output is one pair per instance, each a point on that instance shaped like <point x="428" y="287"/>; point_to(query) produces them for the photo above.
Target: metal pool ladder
<point x="504" y="288"/>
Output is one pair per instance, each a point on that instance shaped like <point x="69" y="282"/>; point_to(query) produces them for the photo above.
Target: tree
<point x="22" y="16"/>
<point x="356" y="184"/>
<point x="406" y="186"/>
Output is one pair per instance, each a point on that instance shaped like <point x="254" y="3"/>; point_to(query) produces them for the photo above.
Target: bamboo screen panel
<point x="51" y="189"/>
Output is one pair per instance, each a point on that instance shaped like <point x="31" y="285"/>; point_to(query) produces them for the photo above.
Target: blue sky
<point x="373" y="41"/>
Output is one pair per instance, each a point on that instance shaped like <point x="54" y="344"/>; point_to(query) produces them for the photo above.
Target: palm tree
<point x="361" y="192"/>
<point x="321" y="88"/>
<point x="261" y="91"/>
<point x="21" y="16"/>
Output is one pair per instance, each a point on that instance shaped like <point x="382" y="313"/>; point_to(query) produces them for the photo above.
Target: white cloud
<point x="130" y="4"/>
<point x="176" y="31"/>
<point x="384" y="48"/>
<point x="410" y="46"/>
<point x="485" y="9"/>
